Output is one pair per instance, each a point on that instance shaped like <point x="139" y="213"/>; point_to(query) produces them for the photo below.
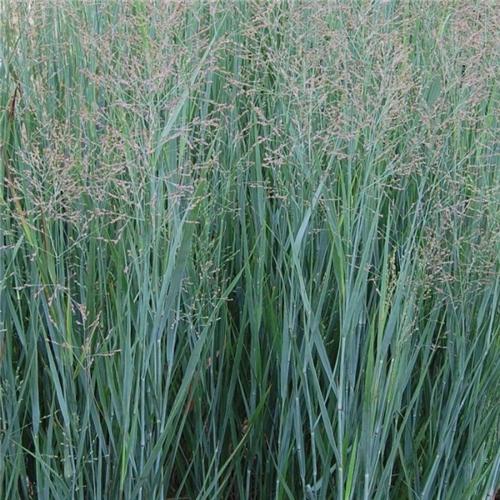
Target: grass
<point x="249" y="250"/>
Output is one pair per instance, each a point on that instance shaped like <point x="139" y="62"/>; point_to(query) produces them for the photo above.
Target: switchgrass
<point x="249" y="250"/>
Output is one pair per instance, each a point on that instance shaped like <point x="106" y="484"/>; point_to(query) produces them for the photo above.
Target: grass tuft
<point x="249" y="250"/>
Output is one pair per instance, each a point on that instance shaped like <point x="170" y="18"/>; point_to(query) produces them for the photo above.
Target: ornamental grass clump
<point x="249" y="250"/>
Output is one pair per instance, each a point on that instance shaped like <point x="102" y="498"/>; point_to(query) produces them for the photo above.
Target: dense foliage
<point x="249" y="249"/>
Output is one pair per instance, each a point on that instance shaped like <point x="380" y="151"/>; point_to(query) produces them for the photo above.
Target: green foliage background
<point x="249" y="250"/>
